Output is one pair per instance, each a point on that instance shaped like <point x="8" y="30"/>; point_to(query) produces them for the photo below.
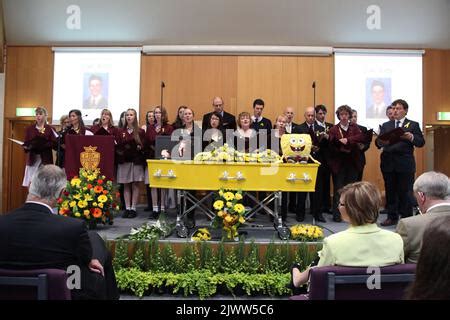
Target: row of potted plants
<point x="146" y="267"/>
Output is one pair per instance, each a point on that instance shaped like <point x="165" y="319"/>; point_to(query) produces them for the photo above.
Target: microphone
<point x="163" y="85"/>
<point x="314" y="93"/>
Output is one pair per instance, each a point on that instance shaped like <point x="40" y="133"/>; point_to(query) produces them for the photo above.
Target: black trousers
<point x="347" y="174"/>
<point x="94" y="286"/>
<point x="399" y="186"/>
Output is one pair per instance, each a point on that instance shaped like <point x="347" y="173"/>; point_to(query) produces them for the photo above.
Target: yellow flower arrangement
<point x="89" y="196"/>
<point x="201" y="234"/>
<point x="306" y="232"/>
<point x="230" y="212"/>
<point x="226" y="153"/>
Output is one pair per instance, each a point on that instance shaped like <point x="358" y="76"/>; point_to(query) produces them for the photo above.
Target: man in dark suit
<point x="32" y="237"/>
<point x="324" y="151"/>
<point x="310" y="127"/>
<point x="363" y="147"/>
<point x="289" y="128"/>
<point x="228" y="120"/>
<point x="258" y="121"/>
<point x="398" y="164"/>
<point x="261" y="125"/>
<point x="290" y="124"/>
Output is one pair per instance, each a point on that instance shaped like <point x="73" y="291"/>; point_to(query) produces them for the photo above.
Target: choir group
<point x="339" y="148"/>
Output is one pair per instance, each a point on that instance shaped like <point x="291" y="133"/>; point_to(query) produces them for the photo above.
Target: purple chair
<point x="350" y="283"/>
<point x="40" y="284"/>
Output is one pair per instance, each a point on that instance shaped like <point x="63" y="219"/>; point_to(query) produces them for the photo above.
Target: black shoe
<point x="155" y="215"/>
<point x="319" y="217"/>
<point x="132" y="214"/>
<point x="337" y="218"/>
<point x="125" y="214"/>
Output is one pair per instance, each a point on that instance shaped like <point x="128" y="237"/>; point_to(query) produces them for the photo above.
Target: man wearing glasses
<point x="229" y="121"/>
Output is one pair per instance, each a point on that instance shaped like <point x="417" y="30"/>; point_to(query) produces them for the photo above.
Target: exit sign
<point x="443" y="116"/>
<point x="25" y="112"/>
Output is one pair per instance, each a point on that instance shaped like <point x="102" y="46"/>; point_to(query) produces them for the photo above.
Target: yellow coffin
<point x="189" y="175"/>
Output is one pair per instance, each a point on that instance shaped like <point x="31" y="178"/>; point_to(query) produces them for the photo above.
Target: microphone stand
<point x="162" y="92"/>
<point x="58" y="155"/>
<point x="314" y="93"/>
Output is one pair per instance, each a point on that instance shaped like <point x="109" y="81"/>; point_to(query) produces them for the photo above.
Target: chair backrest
<point x="40" y="284"/>
<point x="350" y="283"/>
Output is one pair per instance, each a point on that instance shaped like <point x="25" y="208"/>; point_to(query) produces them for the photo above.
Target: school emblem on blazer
<point x="90" y="159"/>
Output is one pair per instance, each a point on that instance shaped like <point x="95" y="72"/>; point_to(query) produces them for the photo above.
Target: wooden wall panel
<point x="442" y="150"/>
<point x="29" y="78"/>
<point x="285" y="81"/>
<point x="436" y="85"/>
<point x="189" y="80"/>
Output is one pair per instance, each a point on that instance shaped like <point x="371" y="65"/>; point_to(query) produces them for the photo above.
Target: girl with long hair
<point x="40" y="138"/>
<point x="160" y="127"/>
<point x="130" y="144"/>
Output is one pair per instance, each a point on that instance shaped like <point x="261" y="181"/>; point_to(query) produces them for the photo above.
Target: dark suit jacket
<point x="362" y="152"/>
<point x="293" y="128"/>
<point x="324" y="151"/>
<point x="32" y="237"/>
<point x="263" y="124"/>
<point x="228" y="121"/>
<point x="399" y="157"/>
<point x="304" y="129"/>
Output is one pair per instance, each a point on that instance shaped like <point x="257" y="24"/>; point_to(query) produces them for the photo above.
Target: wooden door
<point x="442" y="150"/>
<point x="14" y="194"/>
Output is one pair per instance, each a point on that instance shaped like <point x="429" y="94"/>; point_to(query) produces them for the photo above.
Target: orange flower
<point x="98" y="189"/>
<point x="105" y="191"/>
<point x="89" y="186"/>
<point x="97" y="213"/>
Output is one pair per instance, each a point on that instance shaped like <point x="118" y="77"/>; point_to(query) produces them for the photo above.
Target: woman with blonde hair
<point x="363" y="244"/>
<point x="129" y="149"/>
<point x="40" y="139"/>
<point x="107" y="123"/>
<point x="245" y="138"/>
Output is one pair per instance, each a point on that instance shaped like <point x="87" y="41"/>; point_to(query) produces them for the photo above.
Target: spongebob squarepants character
<point x="297" y="148"/>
